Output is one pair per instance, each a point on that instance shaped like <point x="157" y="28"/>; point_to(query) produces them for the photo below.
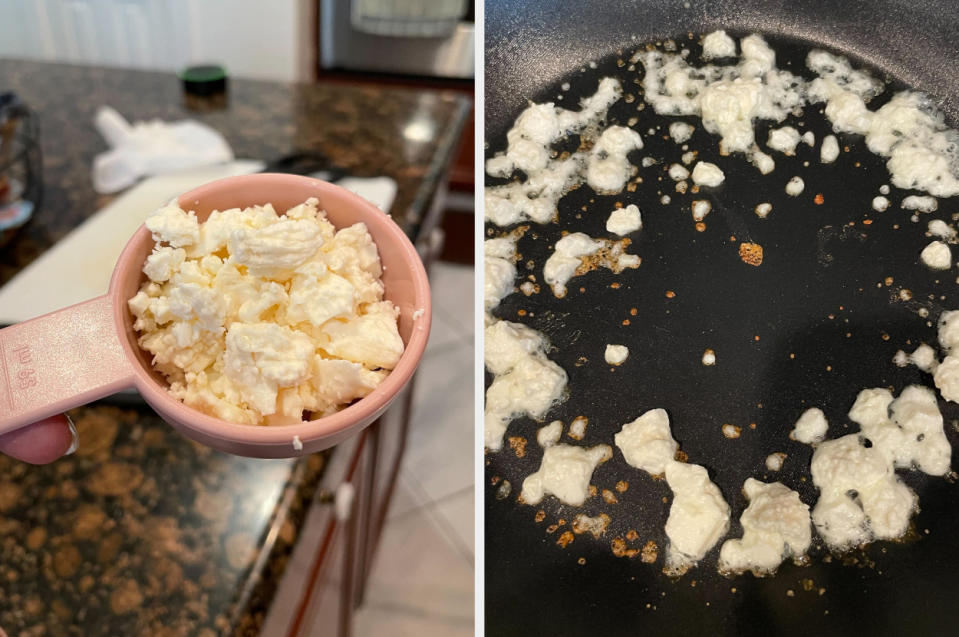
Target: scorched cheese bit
<point x="259" y="318"/>
<point x="775" y="526"/>
<point x="565" y="472"/>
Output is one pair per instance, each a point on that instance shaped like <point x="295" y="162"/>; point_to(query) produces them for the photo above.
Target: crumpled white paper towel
<point x="152" y="148"/>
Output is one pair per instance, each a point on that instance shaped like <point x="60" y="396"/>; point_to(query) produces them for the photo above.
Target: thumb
<point x="42" y="442"/>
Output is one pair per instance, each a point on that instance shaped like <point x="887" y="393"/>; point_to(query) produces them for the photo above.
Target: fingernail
<point x="74" y="437"/>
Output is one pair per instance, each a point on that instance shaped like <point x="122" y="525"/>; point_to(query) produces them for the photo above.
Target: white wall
<point x="252" y="38"/>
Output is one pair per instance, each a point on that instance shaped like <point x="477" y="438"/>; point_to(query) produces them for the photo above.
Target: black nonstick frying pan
<point x="827" y="293"/>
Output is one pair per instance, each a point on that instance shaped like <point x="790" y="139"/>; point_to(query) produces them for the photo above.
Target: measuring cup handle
<point x="59" y="361"/>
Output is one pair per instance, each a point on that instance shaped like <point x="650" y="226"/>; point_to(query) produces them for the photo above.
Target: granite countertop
<point x="143" y="531"/>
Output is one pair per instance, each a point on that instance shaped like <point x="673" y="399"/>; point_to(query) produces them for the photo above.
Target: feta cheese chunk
<point x="258" y="318"/>
<point x="811" y="426"/>
<point x="616" y="354"/>
<point x="623" y="221"/>
<point x="564" y="472"/>
<point x="937" y="256"/>
<point x="647" y="443"/>
<point x="776" y="526"/>
<point x="698" y="516"/>
<point x="707" y="174"/>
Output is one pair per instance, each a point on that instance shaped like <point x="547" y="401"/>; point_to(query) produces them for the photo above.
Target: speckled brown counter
<point x="142" y="531"/>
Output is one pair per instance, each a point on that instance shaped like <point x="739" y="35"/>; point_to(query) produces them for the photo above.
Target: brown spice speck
<point x="581" y="561"/>
<point x="540" y="516"/>
<point x="552" y="528"/>
<point x="609" y="497"/>
<point x="518" y="445"/>
<point x="625" y="321"/>
<point x="618" y="546"/>
<point x="632" y="535"/>
<point x="565" y="539"/>
<point x="700" y="226"/>
<point x="751" y="253"/>
<point x="670" y="294"/>
<point x="732" y="431"/>
<point x="621" y="486"/>
<point x="650" y="552"/>
<point x="818" y="199"/>
<point x="633" y="311"/>
<point x="615" y="285"/>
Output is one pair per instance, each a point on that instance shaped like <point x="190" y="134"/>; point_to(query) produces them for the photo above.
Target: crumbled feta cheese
<point x="259" y="318"/>
<point x="647" y="443"/>
<point x="774" y="461"/>
<point x="880" y="203"/>
<point x="924" y="357"/>
<point x="811" y="426"/>
<point x="937" y="256"/>
<point x="698" y="516"/>
<point x="607" y="168"/>
<point x="549" y="435"/>
<point x="941" y="229"/>
<point x="623" y="221"/>
<point x="499" y="270"/>
<point x="718" y="45"/>
<point x="762" y="210"/>
<point x="681" y="132"/>
<point x="783" y="139"/>
<point x="569" y="254"/>
<point x="795" y="186"/>
<point x="525" y="381"/>
<point x="564" y="472"/>
<point x="775" y="526"/>
<point x="829" y="151"/>
<point x="762" y="161"/>
<point x="809" y="138"/>
<point x="678" y="172"/>
<point x="920" y="204"/>
<point x="701" y="208"/>
<point x="616" y="354"/>
<point x="902" y="433"/>
<point x="707" y="174"/>
<point x="709" y="357"/>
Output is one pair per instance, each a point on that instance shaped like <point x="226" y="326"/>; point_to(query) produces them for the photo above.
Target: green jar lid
<point x="204" y="80"/>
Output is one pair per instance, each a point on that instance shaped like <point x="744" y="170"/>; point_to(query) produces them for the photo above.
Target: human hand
<point x="42" y="442"/>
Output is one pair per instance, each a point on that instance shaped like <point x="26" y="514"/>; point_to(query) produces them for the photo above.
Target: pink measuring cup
<point x="87" y="351"/>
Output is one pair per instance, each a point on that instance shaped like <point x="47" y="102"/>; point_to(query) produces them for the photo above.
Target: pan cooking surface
<point x="818" y="321"/>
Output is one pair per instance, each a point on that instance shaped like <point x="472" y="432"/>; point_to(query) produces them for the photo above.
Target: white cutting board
<point x="79" y="266"/>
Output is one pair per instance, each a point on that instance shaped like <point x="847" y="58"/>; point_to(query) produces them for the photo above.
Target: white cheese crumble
<point x="616" y="354"/>
<point x="698" y="516"/>
<point x="774" y="461"/>
<point x="623" y="221"/>
<point x="809" y="138"/>
<point x="783" y="140"/>
<point x="549" y="435"/>
<point x="681" y="132"/>
<point x="547" y="178"/>
<point x="941" y="229"/>
<point x="260" y="318"/>
<point x="570" y="253"/>
<point x="499" y="269"/>
<point x="880" y="203"/>
<point x="775" y="526"/>
<point x="924" y="357"/>
<point x="707" y="174"/>
<point x="795" y="186"/>
<point x="607" y="168"/>
<point x="937" y="256"/>
<point x="525" y="381"/>
<point x="418" y="314"/>
<point x="647" y="442"/>
<point x="297" y="443"/>
<point x="762" y="161"/>
<point x="861" y="497"/>
<point x="718" y="45"/>
<point x="701" y="208"/>
<point x="709" y="357"/>
<point x="919" y="203"/>
<point x="762" y="210"/>
<point x="678" y="172"/>
<point x="829" y="151"/>
<point x="811" y="426"/>
<point x="564" y="472"/>
<point x="947" y="373"/>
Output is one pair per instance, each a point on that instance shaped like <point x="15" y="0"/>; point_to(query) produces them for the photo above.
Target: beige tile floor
<point x="422" y="580"/>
